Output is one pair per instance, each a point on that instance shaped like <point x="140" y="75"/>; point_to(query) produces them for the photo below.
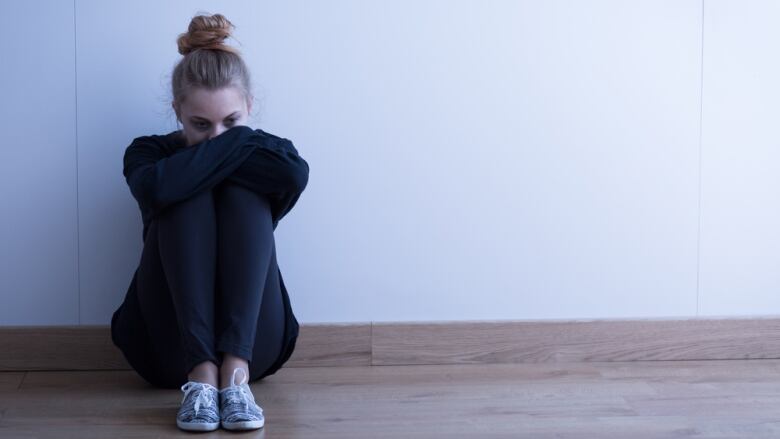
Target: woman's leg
<point x="151" y="326"/>
<point x="147" y="335"/>
<point x="187" y="251"/>
<point x="250" y="313"/>
<point x="270" y="325"/>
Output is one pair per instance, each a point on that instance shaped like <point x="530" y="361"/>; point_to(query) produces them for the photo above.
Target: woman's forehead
<point x="214" y="104"/>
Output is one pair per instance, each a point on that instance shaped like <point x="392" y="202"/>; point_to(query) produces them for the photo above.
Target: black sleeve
<point x="157" y="180"/>
<point x="274" y="169"/>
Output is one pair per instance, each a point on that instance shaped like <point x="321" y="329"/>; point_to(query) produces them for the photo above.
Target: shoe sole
<point x="197" y="426"/>
<point x="243" y="425"/>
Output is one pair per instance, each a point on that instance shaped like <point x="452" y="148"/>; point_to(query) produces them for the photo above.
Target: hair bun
<point x="206" y="32"/>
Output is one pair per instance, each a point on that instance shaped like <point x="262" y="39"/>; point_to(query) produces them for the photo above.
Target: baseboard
<point x="443" y="342"/>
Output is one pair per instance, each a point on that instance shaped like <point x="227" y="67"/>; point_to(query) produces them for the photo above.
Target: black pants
<point x="200" y="284"/>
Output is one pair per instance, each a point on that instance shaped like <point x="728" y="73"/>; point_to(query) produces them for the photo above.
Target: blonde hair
<point x="207" y="61"/>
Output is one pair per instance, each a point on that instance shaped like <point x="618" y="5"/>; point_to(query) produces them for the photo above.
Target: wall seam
<point x="701" y="130"/>
<point x="76" y="124"/>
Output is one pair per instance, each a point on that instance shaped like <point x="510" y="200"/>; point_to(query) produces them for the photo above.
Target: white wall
<point x="469" y="160"/>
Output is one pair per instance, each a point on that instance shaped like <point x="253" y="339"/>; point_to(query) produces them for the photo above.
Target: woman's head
<point x="211" y="84"/>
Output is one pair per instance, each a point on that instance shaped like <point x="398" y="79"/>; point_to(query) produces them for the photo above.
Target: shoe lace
<point x="201" y="398"/>
<point x="241" y="393"/>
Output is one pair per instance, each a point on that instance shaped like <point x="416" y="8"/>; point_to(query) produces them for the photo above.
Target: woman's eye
<point x="204" y="125"/>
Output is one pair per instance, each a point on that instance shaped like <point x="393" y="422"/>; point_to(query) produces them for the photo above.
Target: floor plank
<point x="654" y="399"/>
<point x="10" y="380"/>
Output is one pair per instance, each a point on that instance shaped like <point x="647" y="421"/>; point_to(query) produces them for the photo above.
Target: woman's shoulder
<point x="271" y="139"/>
<point x="268" y="134"/>
<point x="172" y="138"/>
<point x="165" y="143"/>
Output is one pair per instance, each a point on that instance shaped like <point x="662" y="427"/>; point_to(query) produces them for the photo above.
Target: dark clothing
<point x="161" y="170"/>
<point x="208" y="281"/>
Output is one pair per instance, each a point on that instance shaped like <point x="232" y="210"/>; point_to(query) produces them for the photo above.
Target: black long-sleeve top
<point x="162" y="170"/>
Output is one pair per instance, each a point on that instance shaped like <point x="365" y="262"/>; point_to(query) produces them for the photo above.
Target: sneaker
<point x="238" y="408"/>
<point x="199" y="409"/>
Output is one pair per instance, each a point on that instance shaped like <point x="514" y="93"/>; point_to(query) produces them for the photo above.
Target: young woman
<point x="207" y="309"/>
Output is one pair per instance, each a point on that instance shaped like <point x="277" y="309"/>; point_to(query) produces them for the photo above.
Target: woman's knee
<point x="203" y="201"/>
<point x="236" y="197"/>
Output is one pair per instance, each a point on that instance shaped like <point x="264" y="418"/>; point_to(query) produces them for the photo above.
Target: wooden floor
<point x="654" y="399"/>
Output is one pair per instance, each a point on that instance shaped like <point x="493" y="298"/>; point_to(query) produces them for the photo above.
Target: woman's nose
<point x="217" y="131"/>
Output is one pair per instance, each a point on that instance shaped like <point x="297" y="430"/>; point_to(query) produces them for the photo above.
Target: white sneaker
<point x="238" y="408"/>
<point x="199" y="409"/>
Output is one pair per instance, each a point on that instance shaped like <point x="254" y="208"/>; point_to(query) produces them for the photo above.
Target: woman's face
<point x="206" y="113"/>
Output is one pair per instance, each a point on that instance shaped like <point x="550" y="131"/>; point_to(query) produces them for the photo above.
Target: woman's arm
<point x="274" y="169"/>
<point x="157" y="181"/>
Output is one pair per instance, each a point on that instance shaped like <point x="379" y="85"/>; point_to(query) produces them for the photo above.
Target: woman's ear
<point x="176" y="110"/>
